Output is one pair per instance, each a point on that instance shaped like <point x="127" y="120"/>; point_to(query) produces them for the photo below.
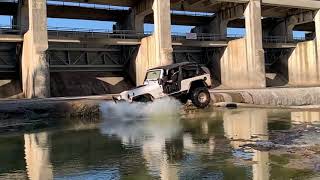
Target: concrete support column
<point x="162" y="31"/>
<point x="137" y="22"/>
<point x="34" y="67"/>
<point x="254" y="45"/>
<point x="317" y="39"/>
<point x="155" y="50"/>
<point x="22" y="18"/>
<point x="219" y="27"/>
<point x="283" y="29"/>
<point x="134" y="22"/>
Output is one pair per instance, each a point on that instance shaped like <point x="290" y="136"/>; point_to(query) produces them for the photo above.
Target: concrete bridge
<point x="268" y="55"/>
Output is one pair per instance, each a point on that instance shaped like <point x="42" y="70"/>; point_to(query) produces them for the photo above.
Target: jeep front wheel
<point x="200" y="97"/>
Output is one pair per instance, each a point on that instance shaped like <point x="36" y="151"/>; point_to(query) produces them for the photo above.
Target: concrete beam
<point x="86" y="13"/>
<point x="285" y="27"/>
<point x="11" y="38"/>
<point x="221" y="20"/>
<point x="122" y="16"/>
<point x="34" y="67"/>
<point x="304" y="4"/>
<point x="190" y="43"/>
<point x="8" y="8"/>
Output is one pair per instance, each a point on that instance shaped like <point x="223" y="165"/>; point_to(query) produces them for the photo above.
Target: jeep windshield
<point x="153" y="75"/>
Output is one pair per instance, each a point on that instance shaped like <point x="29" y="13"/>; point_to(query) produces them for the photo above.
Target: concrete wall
<point x="236" y="71"/>
<point x="304" y="66"/>
<point x="145" y="59"/>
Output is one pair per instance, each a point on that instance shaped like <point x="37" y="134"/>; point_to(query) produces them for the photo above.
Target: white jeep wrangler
<point x="183" y="81"/>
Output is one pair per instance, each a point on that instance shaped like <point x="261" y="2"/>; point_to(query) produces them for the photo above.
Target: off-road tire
<point x="200" y="97"/>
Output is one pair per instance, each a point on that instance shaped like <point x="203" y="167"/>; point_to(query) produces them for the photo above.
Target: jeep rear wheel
<point x="200" y="97"/>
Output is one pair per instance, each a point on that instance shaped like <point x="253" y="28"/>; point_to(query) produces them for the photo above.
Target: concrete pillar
<point x="134" y="22"/>
<point x="218" y="26"/>
<point x="283" y="29"/>
<point x="22" y="18"/>
<point x="34" y="67"/>
<point x="254" y="45"/>
<point x="162" y="31"/>
<point x="317" y="39"/>
<point x="155" y="50"/>
<point x="137" y="22"/>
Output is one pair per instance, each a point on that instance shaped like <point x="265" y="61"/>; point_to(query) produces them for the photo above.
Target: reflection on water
<point x="143" y="143"/>
<point x="37" y="156"/>
<point x="305" y="117"/>
<point x="244" y="126"/>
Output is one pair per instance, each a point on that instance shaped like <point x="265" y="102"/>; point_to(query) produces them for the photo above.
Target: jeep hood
<point x="140" y="90"/>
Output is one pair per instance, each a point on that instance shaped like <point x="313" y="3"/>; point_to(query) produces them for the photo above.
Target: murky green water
<point x="140" y="143"/>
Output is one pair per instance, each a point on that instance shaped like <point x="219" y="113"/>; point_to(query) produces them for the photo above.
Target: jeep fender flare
<point x="196" y="84"/>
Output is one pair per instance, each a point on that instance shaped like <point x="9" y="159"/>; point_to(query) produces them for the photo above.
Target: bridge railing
<point x="10" y="29"/>
<point x="9" y="1"/>
<point x="205" y="36"/>
<point x="59" y="32"/>
<point x="285" y="39"/>
<point x="189" y="13"/>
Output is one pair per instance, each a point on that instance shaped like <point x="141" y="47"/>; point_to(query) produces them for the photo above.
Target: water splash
<point x="131" y="122"/>
<point x="140" y="111"/>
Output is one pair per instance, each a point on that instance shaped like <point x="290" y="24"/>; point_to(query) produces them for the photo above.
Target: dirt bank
<point x="30" y="115"/>
<point x="68" y="84"/>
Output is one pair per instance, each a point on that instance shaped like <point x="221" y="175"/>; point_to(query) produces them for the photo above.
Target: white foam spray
<point x="131" y="121"/>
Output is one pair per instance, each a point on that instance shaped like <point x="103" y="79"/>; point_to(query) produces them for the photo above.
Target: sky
<point x="87" y="24"/>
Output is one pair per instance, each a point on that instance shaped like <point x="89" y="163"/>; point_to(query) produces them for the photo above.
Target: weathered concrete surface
<point x="237" y="70"/>
<point x="34" y="67"/>
<point x="270" y="97"/>
<point x="162" y="32"/>
<point x="254" y="45"/>
<point x="145" y="59"/>
<point x="155" y="50"/>
<point x="242" y="63"/>
<point x="317" y="32"/>
<point x="304" y="66"/>
<point x="234" y="72"/>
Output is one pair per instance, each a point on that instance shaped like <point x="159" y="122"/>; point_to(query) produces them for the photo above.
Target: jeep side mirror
<point x="160" y="81"/>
